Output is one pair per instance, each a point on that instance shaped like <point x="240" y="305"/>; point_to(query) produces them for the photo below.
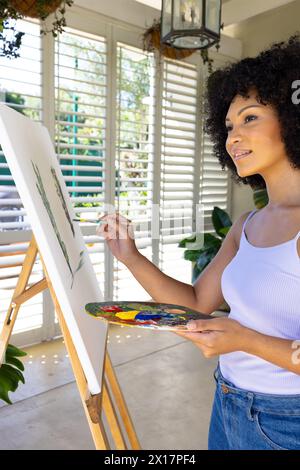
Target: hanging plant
<point x="208" y="60"/>
<point x="152" y="42"/>
<point x="42" y="9"/>
<point x="10" y="39"/>
<point x="12" y="10"/>
<point x="11" y="372"/>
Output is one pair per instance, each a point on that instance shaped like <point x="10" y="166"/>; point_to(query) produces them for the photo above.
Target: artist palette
<point x="145" y="314"/>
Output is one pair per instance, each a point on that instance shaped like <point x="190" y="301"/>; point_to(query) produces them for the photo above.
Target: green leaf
<point x="211" y="241"/>
<point x="224" y="230"/>
<point x="205" y="258"/>
<point x="8" y="383"/>
<point x="12" y="372"/>
<point x="15" y="362"/>
<point x="191" y="255"/>
<point x="183" y="242"/>
<point x="14" y="351"/>
<point x="260" y="198"/>
<point x="220" y="220"/>
<point x="4" y="389"/>
<point x="11" y="376"/>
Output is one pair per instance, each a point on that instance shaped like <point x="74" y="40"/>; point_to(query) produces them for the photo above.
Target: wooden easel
<point x="110" y="400"/>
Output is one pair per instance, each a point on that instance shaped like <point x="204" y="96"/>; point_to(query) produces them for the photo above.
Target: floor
<point x="167" y="384"/>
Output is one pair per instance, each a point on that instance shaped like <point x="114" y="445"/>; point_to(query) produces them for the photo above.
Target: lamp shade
<point x="190" y="24"/>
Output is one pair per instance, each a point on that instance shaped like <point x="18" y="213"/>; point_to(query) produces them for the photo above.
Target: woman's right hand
<point x="119" y="235"/>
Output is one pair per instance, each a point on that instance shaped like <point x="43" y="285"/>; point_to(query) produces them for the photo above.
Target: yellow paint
<point x="127" y="315"/>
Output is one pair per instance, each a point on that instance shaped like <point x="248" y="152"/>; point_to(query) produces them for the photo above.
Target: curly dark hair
<point x="271" y="75"/>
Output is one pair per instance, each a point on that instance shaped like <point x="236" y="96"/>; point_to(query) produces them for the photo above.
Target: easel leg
<point x="110" y="380"/>
<point x="121" y="404"/>
<point x="14" y="306"/>
<point x="93" y="405"/>
<point x="97" y="428"/>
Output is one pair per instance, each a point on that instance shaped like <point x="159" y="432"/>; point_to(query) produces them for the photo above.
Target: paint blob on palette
<point x="145" y="314"/>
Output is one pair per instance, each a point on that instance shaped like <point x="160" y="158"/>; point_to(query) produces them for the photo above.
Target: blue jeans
<point x="243" y="420"/>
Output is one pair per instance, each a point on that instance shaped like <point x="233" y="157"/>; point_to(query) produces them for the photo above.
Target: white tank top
<point x="262" y="287"/>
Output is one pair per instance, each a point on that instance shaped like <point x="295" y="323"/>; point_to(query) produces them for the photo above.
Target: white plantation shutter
<point x="214" y="183"/>
<point x="178" y="164"/>
<point x="134" y="157"/>
<point x="20" y="88"/>
<point x="81" y="121"/>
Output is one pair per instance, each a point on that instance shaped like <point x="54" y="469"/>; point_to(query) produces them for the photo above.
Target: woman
<point x="254" y="121"/>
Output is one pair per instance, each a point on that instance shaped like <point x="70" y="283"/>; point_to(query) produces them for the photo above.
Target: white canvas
<point x="32" y="161"/>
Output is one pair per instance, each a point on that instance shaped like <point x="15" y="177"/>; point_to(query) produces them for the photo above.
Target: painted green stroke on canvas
<point x="42" y="192"/>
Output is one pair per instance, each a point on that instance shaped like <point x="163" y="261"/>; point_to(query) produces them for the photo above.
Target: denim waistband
<point x="272" y="403"/>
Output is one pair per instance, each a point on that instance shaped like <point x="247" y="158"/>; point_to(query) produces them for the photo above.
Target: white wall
<point x="260" y="31"/>
<point x="242" y="200"/>
<point x="128" y="11"/>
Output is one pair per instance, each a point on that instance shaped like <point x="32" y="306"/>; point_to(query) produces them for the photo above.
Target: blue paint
<point x="149" y="315"/>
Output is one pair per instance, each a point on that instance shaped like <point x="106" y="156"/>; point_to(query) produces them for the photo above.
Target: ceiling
<point x="235" y="11"/>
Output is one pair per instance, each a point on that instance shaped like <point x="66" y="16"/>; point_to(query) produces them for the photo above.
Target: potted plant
<point x="11" y="372"/>
<point x="11" y="10"/>
<point x="202" y="254"/>
<point x="152" y="42"/>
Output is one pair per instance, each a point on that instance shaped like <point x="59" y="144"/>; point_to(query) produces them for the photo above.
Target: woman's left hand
<point x="217" y="336"/>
